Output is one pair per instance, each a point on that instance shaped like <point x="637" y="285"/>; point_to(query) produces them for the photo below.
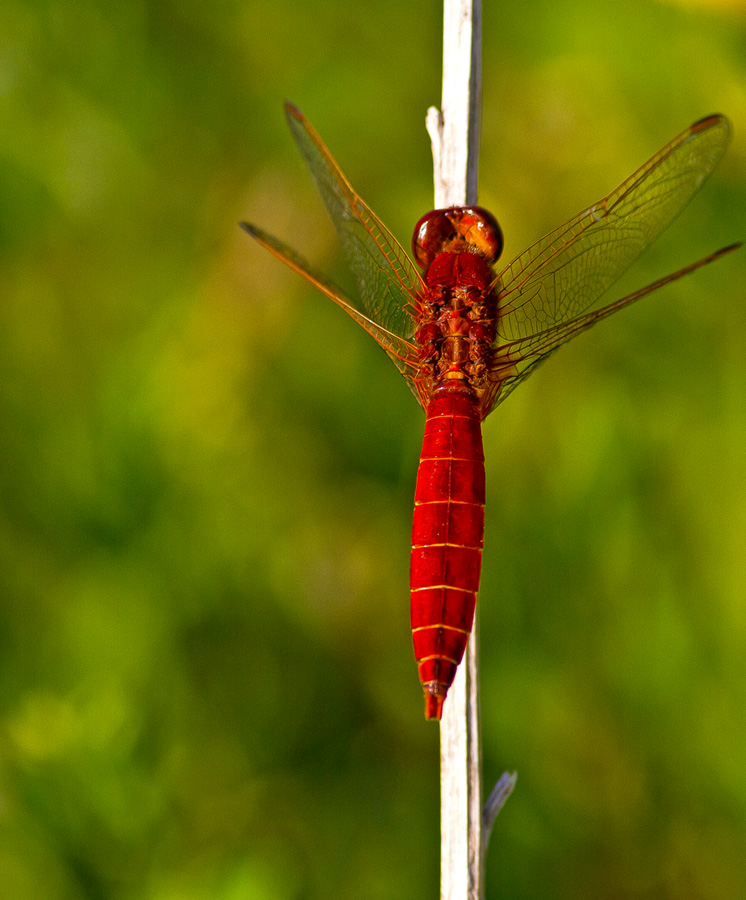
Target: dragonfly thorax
<point x="457" y="319"/>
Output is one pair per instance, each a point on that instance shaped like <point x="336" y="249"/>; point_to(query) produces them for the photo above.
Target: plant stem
<point x="454" y="133"/>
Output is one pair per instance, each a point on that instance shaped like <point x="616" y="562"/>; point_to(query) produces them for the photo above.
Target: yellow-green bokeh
<point x="206" y="471"/>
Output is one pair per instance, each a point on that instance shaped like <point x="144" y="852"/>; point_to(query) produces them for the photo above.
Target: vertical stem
<point x="461" y="784"/>
<point x="455" y="130"/>
<point x="455" y="137"/>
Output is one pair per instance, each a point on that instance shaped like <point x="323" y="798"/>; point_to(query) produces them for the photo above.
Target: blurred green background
<point x="206" y="470"/>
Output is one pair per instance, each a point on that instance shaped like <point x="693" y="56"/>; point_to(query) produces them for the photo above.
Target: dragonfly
<point x="464" y="333"/>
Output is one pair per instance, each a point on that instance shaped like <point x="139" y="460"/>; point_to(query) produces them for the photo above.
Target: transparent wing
<point x="387" y="279"/>
<point x="546" y="291"/>
<point x="514" y="361"/>
<point x="402" y="352"/>
<point x="566" y="272"/>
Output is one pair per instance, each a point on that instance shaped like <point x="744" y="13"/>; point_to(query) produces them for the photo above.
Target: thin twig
<point x="495" y="802"/>
<point x="454" y="133"/>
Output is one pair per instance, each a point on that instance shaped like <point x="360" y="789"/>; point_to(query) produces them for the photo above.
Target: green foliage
<point x="206" y="471"/>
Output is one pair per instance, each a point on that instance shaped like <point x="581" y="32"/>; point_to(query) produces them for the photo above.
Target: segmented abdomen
<point x="447" y="537"/>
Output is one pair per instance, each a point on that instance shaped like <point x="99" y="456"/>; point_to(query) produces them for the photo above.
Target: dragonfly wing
<point x="515" y="360"/>
<point x="402" y="352"/>
<point x="387" y="279"/>
<point x="566" y="272"/>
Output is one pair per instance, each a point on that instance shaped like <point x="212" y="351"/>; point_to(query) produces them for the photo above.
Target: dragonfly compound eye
<point x="456" y="230"/>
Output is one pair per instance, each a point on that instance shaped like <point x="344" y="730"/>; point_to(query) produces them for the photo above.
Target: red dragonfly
<point x="464" y="334"/>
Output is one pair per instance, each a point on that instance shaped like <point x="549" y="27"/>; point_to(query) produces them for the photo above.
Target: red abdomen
<point x="447" y="537"/>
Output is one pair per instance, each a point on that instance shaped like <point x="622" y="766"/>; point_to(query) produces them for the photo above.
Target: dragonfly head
<point x="458" y="229"/>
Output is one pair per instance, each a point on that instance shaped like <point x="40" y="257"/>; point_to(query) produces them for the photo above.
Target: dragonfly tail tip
<point x="433" y="705"/>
